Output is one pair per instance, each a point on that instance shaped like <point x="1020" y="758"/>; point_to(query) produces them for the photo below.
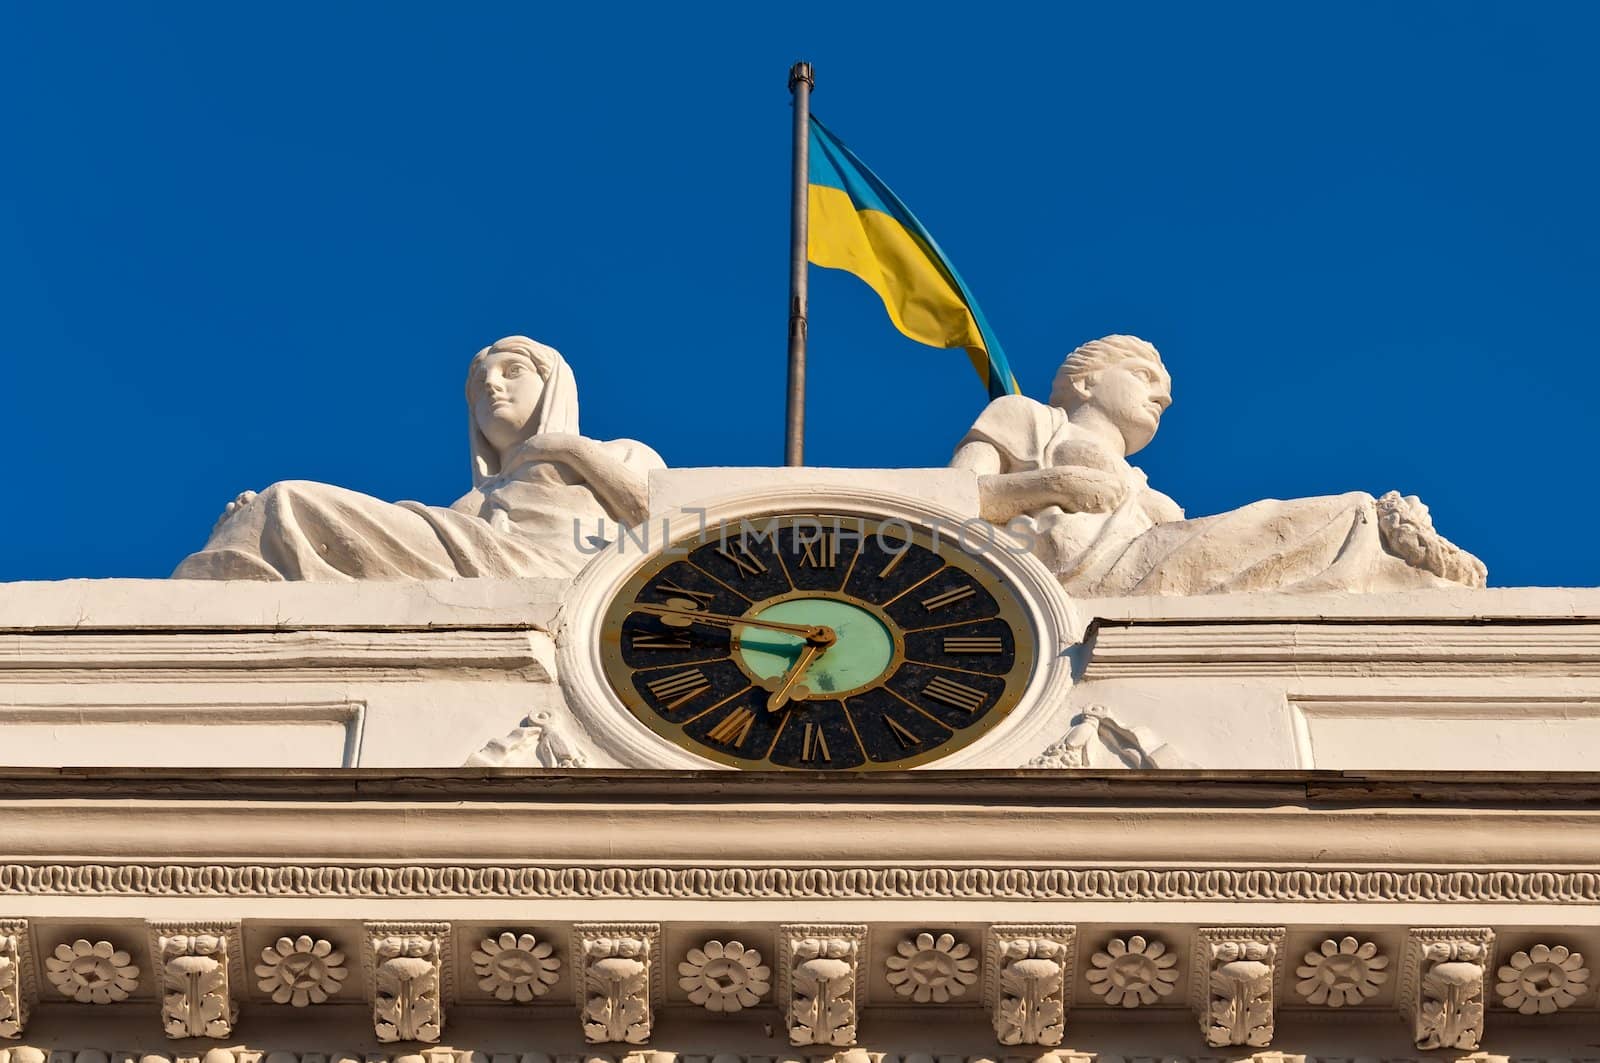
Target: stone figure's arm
<point x="1159" y="507"/>
<point x="1004" y="495"/>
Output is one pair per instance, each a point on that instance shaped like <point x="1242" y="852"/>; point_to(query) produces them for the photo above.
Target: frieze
<point x="829" y="883"/>
<point x="23" y="1053"/>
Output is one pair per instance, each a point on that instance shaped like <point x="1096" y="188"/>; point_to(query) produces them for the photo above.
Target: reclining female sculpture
<point x="1059" y="473"/>
<point x="533" y="479"/>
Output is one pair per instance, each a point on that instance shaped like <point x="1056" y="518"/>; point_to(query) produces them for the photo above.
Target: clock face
<point x="818" y="641"/>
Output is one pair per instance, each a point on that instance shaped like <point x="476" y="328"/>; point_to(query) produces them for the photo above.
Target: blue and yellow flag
<point x="859" y="226"/>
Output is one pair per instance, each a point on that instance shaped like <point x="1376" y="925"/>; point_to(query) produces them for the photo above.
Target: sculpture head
<point x="517" y="388"/>
<point x="1123" y="379"/>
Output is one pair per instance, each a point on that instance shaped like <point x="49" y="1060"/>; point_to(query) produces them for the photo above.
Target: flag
<point x="858" y="225"/>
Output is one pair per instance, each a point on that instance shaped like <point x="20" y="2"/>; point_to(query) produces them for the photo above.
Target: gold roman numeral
<point x="953" y="693"/>
<point x="819" y="551"/>
<point x="667" y="587"/>
<point x="680" y="687"/>
<point x="949" y="597"/>
<point x="906" y="739"/>
<point x="814" y="744"/>
<point x="650" y="640"/>
<point x="883" y="573"/>
<point x="973" y="644"/>
<point x="734" y="728"/>
<point x="747" y="563"/>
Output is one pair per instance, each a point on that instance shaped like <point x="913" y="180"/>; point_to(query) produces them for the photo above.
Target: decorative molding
<point x="538" y="741"/>
<point x="1028" y="969"/>
<point x="1133" y="972"/>
<point x="1444" y="985"/>
<point x="1341" y="972"/>
<point x="256" y="1052"/>
<point x="1232" y="983"/>
<point x="406" y="974"/>
<point x="1542" y="980"/>
<point x="1133" y="747"/>
<point x="927" y="968"/>
<point x="724" y="976"/>
<point x="197" y="973"/>
<point x="91" y="972"/>
<point x="699" y="882"/>
<point x="619" y="984"/>
<point x="300" y="971"/>
<point x="18" y="989"/>
<point x="1461" y="646"/>
<point x="819" y="981"/>
<point x="288" y="653"/>
<point x="515" y="966"/>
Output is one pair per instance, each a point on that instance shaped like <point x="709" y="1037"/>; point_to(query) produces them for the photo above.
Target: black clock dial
<point x="818" y="641"/>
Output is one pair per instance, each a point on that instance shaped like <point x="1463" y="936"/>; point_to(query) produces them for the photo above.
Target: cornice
<point x="689" y="882"/>
<point x="1342" y="647"/>
<point x="1041" y="788"/>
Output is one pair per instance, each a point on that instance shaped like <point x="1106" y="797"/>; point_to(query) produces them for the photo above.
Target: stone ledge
<point x="108" y="605"/>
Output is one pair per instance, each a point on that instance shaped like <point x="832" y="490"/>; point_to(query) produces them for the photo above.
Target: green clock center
<point x="864" y="649"/>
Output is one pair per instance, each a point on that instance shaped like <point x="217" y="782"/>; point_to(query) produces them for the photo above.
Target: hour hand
<point x="780" y="697"/>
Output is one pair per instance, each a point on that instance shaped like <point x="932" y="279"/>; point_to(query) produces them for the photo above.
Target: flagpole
<point x="801" y="82"/>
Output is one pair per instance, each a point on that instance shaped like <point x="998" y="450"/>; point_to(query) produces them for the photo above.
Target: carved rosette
<point x="724" y="976"/>
<point x="1133" y="972"/>
<point x="17" y="990"/>
<point x="516" y="967"/>
<point x="819" y="982"/>
<point x="1543" y="980"/>
<point x="1233" y="984"/>
<point x="406" y="970"/>
<point x="1341" y="972"/>
<point x="196" y="971"/>
<point x="91" y="972"/>
<point x="301" y="971"/>
<point x="1444" y="985"/>
<point x="1030" y="967"/>
<point x="932" y="968"/>
<point x="618" y="987"/>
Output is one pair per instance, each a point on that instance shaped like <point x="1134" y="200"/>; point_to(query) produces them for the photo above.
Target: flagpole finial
<point x="801" y="72"/>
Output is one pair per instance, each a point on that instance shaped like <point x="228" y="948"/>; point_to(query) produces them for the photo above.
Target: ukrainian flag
<point x="857" y="225"/>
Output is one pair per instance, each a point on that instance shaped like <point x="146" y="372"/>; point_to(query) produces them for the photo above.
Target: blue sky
<point x="240" y="244"/>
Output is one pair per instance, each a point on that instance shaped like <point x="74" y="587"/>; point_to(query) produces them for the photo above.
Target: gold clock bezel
<point x="1025" y="637"/>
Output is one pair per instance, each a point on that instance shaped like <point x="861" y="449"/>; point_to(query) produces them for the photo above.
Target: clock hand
<point x="780" y="697"/>
<point x="817" y="636"/>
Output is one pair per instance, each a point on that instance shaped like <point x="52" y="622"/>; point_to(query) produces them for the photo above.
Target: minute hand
<point x="811" y="634"/>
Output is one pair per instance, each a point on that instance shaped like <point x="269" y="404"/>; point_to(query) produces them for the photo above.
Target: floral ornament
<point x="91" y="972"/>
<point x="300" y="971"/>
<point x="10" y="1020"/>
<point x="1137" y="971"/>
<point x="932" y="969"/>
<point x="515" y="967"/>
<point x="1342" y="972"/>
<point x="724" y="977"/>
<point x="1542" y="980"/>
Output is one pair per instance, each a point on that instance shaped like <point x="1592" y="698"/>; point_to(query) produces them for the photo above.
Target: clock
<point x="830" y="640"/>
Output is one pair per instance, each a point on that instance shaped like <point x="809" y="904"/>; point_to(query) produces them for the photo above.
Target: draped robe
<point x="532" y="512"/>
<point x="1305" y="544"/>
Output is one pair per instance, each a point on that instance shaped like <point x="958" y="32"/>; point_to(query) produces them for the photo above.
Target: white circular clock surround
<point x="1039" y="717"/>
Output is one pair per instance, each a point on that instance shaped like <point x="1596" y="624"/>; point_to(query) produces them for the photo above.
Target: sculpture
<point x="534" y="478"/>
<point x="1058" y="474"/>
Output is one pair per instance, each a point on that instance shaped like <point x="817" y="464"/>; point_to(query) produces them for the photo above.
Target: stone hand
<point x="244" y="499"/>
<point x="683" y="612"/>
<point x="780" y="697"/>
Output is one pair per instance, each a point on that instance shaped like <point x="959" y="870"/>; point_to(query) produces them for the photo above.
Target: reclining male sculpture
<point x="534" y="478"/>
<point x="1060" y="473"/>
